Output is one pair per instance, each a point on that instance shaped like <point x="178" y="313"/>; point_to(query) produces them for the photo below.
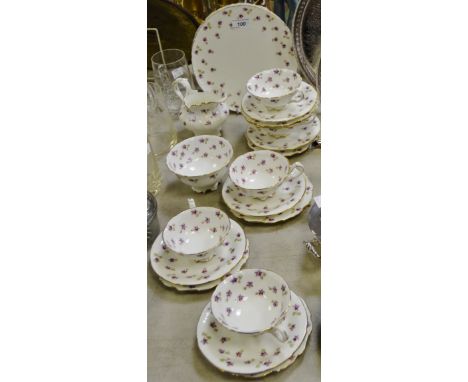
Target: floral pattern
<point x="286" y="153"/>
<point x="182" y="270"/>
<point x="268" y="166"/>
<point x="297" y="137"/>
<point x="256" y="111"/>
<point x="274" y="87"/>
<point x="250" y="354"/>
<point x="267" y="291"/>
<point x="204" y="121"/>
<point x="288" y="194"/>
<point x="211" y="226"/>
<point x="214" y="59"/>
<point x="288" y="214"/>
<point x="201" y="161"/>
<point x="210" y="284"/>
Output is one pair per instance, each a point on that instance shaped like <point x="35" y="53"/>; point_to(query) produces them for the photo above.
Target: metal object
<point x="306" y="30"/>
<point x="152" y="223"/>
<point x="315" y="224"/>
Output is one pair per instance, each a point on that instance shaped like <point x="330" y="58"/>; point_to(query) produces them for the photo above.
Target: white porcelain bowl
<point x="251" y="301"/>
<point x="275" y="88"/>
<point x="259" y="173"/>
<point x="200" y="162"/>
<point x="197" y="232"/>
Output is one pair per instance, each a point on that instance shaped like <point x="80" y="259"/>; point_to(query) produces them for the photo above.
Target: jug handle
<point x="185" y="86"/>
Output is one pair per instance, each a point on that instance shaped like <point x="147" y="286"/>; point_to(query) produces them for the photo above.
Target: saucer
<point x="255" y="110"/>
<point x="297" y="137"/>
<point x="288" y="194"/>
<point x="183" y="270"/>
<point x="251" y="354"/>
<point x="286" y="153"/>
<point x="296" y="354"/>
<point x="281" y="125"/>
<point x="211" y="284"/>
<point x="285" y="215"/>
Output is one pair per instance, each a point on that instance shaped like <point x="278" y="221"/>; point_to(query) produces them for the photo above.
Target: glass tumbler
<point x="168" y="65"/>
<point x="162" y="134"/>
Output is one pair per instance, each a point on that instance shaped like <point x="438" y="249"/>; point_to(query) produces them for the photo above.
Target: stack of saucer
<point x="279" y="108"/>
<point x="254" y="325"/>
<point x="198" y="248"/>
<point x="263" y="188"/>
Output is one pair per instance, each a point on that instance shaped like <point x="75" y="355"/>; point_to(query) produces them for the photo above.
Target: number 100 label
<point x="240" y="23"/>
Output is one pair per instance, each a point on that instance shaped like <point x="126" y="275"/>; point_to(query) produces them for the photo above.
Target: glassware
<point x="168" y="65"/>
<point x="162" y="134"/>
<point x="153" y="175"/>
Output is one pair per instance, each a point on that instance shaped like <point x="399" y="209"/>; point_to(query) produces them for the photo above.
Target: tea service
<point x="201" y="112"/>
<point x="275" y="88"/>
<point x="259" y="174"/>
<point x="200" y="162"/>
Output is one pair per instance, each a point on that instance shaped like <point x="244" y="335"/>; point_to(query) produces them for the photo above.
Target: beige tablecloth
<point x="173" y="355"/>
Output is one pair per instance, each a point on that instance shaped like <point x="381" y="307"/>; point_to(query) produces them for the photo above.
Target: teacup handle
<point x="297" y="169"/>
<point x="191" y="203"/>
<point x="280" y="334"/>
<point x="298" y="96"/>
<point x="185" y="86"/>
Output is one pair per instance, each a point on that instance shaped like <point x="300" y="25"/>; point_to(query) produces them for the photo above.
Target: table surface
<point x="173" y="354"/>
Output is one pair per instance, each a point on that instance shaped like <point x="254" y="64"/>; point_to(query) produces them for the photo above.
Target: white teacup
<point x="260" y="173"/>
<point x="197" y="232"/>
<point x="252" y="301"/>
<point x="275" y="88"/>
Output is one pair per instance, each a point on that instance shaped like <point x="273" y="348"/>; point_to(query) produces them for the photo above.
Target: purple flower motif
<point x="183" y="226"/>
<point x="260" y="292"/>
<point x="296" y="307"/>
<point x="213" y="325"/>
<point x="275" y="303"/>
<point x="278" y="351"/>
<point x="259" y="274"/>
<point x="221" y="351"/>
<point x="240" y="298"/>
<point x="229" y="363"/>
<point x="291" y="327"/>
<point x="274" y="289"/>
<point x="295" y="338"/>
<point x="171" y="259"/>
<point x="204" y="341"/>
<point x="228" y="293"/>
<point x="267" y="363"/>
<point x="239" y="353"/>
<point x="263" y="353"/>
<point x="223" y="339"/>
<point x="249" y="284"/>
<point x="195" y="228"/>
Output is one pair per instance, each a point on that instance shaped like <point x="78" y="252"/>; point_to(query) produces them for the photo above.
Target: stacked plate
<point x="254" y="325"/>
<point x="287" y="128"/>
<point x="192" y="273"/>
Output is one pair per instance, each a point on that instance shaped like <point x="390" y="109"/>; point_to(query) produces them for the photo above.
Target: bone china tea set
<point x="254" y="324"/>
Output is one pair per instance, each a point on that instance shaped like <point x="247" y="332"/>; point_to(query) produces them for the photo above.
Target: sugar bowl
<point x="200" y="162"/>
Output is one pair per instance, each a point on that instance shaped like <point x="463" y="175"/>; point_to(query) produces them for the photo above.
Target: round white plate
<point x="257" y="111"/>
<point x="285" y="215"/>
<point x="183" y="270"/>
<point x="250" y="354"/>
<point x="236" y="42"/>
<point x="287" y="195"/>
<point x="211" y="284"/>
<point x="286" y="153"/>
<point x="297" y="137"/>
<point x="296" y="354"/>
